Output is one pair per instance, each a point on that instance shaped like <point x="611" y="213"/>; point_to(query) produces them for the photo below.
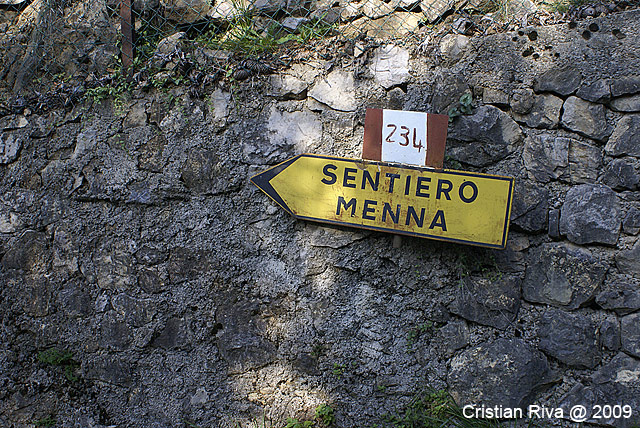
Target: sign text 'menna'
<point x="446" y="205"/>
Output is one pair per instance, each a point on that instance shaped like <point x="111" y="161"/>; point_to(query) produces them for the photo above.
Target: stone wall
<point x="131" y="238"/>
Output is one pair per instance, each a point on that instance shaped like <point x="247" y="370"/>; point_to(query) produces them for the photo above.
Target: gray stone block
<point x="628" y="261"/>
<point x="625" y="139"/>
<point x="488" y="301"/>
<point x="562" y="81"/>
<point x="586" y="118"/>
<point x="631" y="222"/>
<point x="625" y="85"/>
<point x="597" y="92"/>
<point x="487" y="136"/>
<point x="630" y="333"/>
<point x="591" y="214"/>
<point x="621" y="297"/>
<point x="562" y="275"/>
<point x="530" y="205"/>
<point x="546" y="157"/>
<point x="505" y="372"/>
<point x="620" y="175"/>
<point x="571" y="338"/>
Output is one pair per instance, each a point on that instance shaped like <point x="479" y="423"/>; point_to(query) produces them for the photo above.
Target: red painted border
<point x="437" y="125"/>
<point x="372" y="145"/>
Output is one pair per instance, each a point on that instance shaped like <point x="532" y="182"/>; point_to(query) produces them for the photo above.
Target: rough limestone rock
<point x="374" y="9"/>
<point x="136" y="312"/>
<point x="563" y="81"/>
<point x="185" y="11"/>
<point x="300" y="129"/>
<point x="597" y="92"/>
<point x="13" y="121"/>
<point x="397" y="24"/>
<point x="530" y="206"/>
<point x="545" y="112"/>
<point x="456" y="334"/>
<point x="486" y="136"/>
<point x="625" y="86"/>
<point x="586" y="118"/>
<point x="554" y="224"/>
<point x="333" y="238"/>
<point x="522" y="101"/>
<point x="585" y="160"/>
<point x="447" y="93"/>
<point x="622" y="298"/>
<point x="241" y="340"/>
<point x="272" y="7"/>
<point x="629" y="104"/>
<point x="434" y="9"/>
<point x="546" y="157"/>
<point x="175" y="334"/>
<point x="631" y="223"/>
<point x="562" y="275"/>
<point x="609" y="335"/>
<point x="625" y="139"/>
<point x="390" y="66"/>
<point x="630" y="333"/>
<point x="110" y="370"/>
<point x="522" y="7"/>
<point x="512" y="259"/>
<point x="569" y="338"/>
<point x="615" y="382"/>
<point x="288" y="87"/>
<point x="591" y="214"/>
<point x="169" y="44"/>
<point x="293" y="23"/>
<point x="10" y="146"/>
<point x="30" y="253"/>
<point x="337" y="91"/>
<point x="628" y="261"/>
<point x="488" y="301"/>
<point x="204" y="172"/>
<point x="9" y="221"/>
<point x="495" y="96"/>
<point x="454" y="46"/>
<point x="506" y="372"/>
<point x="218" y="107"/>
<point x="620" y="175"/>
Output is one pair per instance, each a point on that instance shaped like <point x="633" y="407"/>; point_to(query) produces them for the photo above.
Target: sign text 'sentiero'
<point x="446" y="205"/>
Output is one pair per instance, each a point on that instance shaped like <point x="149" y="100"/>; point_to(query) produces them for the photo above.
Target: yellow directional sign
<point x="455" y="206"/>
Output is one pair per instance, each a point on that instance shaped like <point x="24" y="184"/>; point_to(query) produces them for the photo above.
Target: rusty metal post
<point x="126" y="26"/>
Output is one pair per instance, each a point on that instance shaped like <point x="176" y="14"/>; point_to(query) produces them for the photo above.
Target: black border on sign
<point x="262" y="180"/>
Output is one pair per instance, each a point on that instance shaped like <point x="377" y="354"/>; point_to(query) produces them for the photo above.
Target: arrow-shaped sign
<point x="455" y="206"/>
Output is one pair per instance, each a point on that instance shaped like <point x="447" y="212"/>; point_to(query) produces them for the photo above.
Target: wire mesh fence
<point x="101" y="47"/>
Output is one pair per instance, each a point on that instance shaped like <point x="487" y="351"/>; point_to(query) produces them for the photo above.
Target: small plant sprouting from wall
<point x="244" y="35"/>
<point x="472" y="262"/>
<point x="431" y="409"/>
<point x="338" y="369"/>
<point x="463" y="107"/>
<point x="416" y="332"/>
<point x="324" y="418"/>
<point x="62" y="359"/>
<point x="324" y="414"/>
<point x="46" y="422"/>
